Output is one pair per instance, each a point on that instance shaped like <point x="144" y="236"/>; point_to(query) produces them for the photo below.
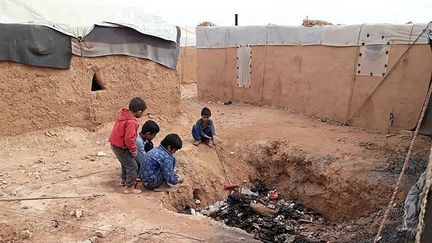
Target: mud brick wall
<point x="38" y="98"/>
<point x="318" y="80"/>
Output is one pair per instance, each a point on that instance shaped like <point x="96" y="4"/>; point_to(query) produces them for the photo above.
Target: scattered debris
<point x="55" y="223"/>
<point x="51" y="134"/>
<point x="40" y="161"/>
<point x="101" y="154"/>
<point x="265" y="214"/>
<point x="261" y="209"/>
<point x="77" y="213"/>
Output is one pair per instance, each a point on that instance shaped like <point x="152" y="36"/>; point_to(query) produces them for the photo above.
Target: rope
<point x="388" y="75"/>
<point x="354" y="77"/>
<point x="426" y="188"/>
<point x="405" y="165"/>
<point x="265" y="66"/>
<point x="223" y="165"/>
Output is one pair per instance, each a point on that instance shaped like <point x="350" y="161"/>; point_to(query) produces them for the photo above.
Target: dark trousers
<point x="155" y="183"/>
<point x="196" y="133"/>
<point x="128" y="164"/>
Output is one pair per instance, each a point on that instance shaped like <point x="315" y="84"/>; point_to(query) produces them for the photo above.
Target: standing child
<point x="204" y="130"/>
<point x="159" y="164"/>
<point x="144" y="140"/>
<point x="122" y="140"/>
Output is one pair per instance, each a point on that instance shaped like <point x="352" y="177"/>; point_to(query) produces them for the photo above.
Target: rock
<point x="40" y="161"/>
<point x="94" y="239"/>
<point x="101" y="234"/>
<point x="104" y="231"/>
<point x="101" y="154"/>
<point x="78" y="214"/>
<point x="262" y="210"/>
<point x="92" y="159"/>
<point x="4" y="182"/>
<point x="26" y="234"/>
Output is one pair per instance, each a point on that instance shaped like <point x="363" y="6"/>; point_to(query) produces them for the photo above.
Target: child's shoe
<point x="131" y="190"/>
<point x="196" y="142"/>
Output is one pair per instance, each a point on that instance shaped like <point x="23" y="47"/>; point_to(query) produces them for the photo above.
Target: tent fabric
<point x="333" y="35"/>
<point x="412" y="206"/>
<point x="104" y="41"/>
<point x="78" y="18"/>
<point x="35" y="45"/>
<point x="188" y="36"/>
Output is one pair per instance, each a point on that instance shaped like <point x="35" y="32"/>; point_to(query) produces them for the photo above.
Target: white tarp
<point x="188" y="36"/>
<point x="332" y="35"/>
<point x="244" y="66"/>
<point x="77" y="18"/>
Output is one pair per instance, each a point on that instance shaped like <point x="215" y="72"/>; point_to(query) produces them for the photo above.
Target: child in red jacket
<point x="122" y="140"/>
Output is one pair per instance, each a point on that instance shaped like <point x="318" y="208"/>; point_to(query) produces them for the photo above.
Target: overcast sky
<point x="287" y="12"/>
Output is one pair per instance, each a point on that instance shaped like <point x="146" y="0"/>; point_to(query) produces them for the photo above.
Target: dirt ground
<point x="344" y="173"/>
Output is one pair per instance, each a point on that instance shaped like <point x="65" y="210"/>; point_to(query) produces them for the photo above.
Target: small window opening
<point x="96" y="85"/>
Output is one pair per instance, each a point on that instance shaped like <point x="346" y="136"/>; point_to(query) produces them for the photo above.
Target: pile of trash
<point x="316" y="22"/>
<point x="265" y="214"/>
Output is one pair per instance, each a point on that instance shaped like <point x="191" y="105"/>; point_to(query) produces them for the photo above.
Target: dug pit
<point x="320" y="198"/>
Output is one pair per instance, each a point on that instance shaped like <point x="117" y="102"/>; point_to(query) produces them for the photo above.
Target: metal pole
<point x="236" y="19"/>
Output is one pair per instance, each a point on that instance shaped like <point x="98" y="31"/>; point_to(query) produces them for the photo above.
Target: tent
<point x="93" y="28"/>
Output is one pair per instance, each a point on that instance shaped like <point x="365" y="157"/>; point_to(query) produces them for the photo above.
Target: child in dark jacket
<point x="204" y="130"/>
<point x="144" y="140"/>
<point x="122" y="140"/>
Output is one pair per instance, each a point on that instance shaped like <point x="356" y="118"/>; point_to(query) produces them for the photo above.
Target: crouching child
<point x="159" y="163"/>
<point x="204" y="131"/>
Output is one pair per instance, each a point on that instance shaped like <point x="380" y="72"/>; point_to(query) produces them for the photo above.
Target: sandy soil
<point x="339" y="171"/>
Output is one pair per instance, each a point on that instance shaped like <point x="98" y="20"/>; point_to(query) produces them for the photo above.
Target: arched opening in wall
<point x="96" y="84"/>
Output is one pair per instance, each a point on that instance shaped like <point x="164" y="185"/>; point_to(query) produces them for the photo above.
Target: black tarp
<point x="35" y="45"/>
<point x="104" y="41"/>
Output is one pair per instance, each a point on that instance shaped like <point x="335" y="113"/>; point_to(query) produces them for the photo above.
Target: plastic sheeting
<point x="35" y="45"/>
<point x="412" y="206"/>
<point x="104" y="41"/>
<point x="335" y="35"/>
<point x="373" y="60"/>
<point x="188" y="36"/>
<point x="78" y="18"/>
<point x="244" y="66"/>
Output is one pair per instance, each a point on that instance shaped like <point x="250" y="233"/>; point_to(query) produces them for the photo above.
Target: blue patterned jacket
<point x="156" y="163"/>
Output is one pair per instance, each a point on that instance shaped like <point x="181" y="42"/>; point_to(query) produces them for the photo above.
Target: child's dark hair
<point x="150" y="127"/>
<point x="172" y="140"/>
<point x="205" y="112"/>
<point x="137" y="104"/>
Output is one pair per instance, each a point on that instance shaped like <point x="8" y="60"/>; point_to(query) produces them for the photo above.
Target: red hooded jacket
<point x="124" y="132"/>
